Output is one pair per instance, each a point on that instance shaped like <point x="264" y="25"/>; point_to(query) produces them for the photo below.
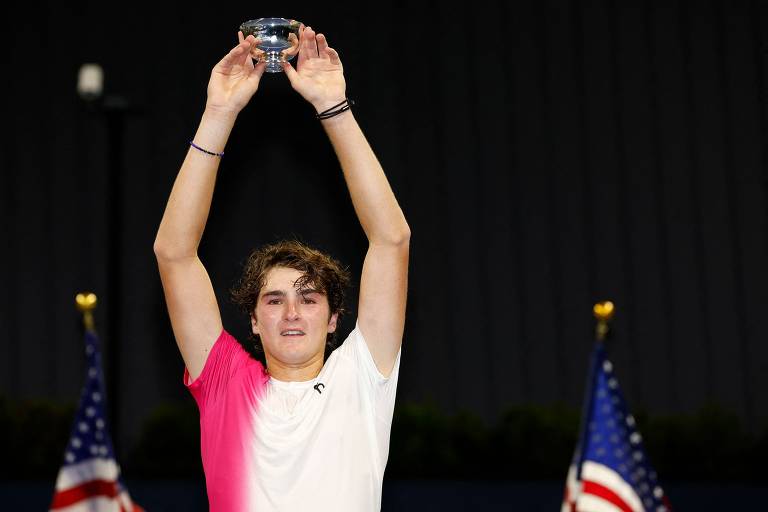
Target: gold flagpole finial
<point x="86" y="303"/>
<point x="603" y="312"/>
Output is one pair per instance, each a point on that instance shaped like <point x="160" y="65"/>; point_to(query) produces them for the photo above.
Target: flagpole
<point x="115" y="109"/>
<point x="86" y="303"/>
<point x="603" y="312"/>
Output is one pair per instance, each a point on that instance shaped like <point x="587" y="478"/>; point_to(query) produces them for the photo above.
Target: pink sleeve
<point x="226" y="358"/>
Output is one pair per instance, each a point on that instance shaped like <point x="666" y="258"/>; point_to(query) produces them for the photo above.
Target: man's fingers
<point x="302" y="54"/>
<point x="257" y="71"/>
<point x="235" y="53"/>
<point x="229" y="59"/>
<point x="293" y="76"/>
<point x="244" y="57"/>
<point x="244" y="43"/>
<point x="333" y="54"/>
<point x="237" y="56"/>
<point x="290" y="72"/>
<point x="322" y="45"/>
<point x="310" y="44"/>
<point x="251" y="49"/>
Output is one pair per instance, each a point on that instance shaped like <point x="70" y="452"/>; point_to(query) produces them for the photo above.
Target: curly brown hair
<point x="319" y="270"/>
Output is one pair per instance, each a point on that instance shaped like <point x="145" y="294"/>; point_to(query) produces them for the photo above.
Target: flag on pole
<point x="610" y="470"/>
<point x="90" y="480"/>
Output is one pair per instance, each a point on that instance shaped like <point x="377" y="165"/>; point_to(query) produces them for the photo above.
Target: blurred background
<point x="547" y="154"/>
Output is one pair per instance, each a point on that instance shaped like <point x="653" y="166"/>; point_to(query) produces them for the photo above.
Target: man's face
<point x="293" y="323"/>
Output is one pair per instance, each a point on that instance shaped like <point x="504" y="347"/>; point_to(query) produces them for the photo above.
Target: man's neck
<point x="294" y="372"/>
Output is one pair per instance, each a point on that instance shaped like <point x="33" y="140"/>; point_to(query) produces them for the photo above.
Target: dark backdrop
<point x="547" y="154"/>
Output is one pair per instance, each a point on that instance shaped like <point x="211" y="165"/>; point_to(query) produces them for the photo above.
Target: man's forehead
<point x="284" y="278"/>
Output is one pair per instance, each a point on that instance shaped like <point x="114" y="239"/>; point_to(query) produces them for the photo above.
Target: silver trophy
<point x="277" y="40"/>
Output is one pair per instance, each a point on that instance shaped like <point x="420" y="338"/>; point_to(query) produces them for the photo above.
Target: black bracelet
<point x="205" y="150"/>
<point x="336" y="109"/>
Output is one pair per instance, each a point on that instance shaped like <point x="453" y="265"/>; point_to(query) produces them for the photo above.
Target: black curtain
<point x="547" y="154"/>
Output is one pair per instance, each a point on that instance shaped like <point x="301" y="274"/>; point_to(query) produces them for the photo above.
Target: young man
<point x="304" y="433"/>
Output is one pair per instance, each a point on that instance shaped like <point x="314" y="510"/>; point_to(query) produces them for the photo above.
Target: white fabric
<point x="73" y="475"/>
<point x="605" y="476"/>
<point x="590" y="503"/>
<point x="325" y="449"/>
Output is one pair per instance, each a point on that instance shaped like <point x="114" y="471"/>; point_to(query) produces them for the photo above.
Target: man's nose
<point x="291" y="310"/>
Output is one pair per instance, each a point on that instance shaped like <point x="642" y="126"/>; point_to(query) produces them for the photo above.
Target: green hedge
<point x="526" y="443"/>
<point x="711" y="445"/>
<point x="33" y="435"/>
<point x="169" y="444"/>
<point x="537" y="442"/>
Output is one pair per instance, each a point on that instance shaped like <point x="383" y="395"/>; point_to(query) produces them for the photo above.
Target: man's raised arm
<point x="319" y="78"/>
<point x="189" y="294"/>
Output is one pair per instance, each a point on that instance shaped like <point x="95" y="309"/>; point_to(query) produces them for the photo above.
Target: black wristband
<point x="336" y="109"/>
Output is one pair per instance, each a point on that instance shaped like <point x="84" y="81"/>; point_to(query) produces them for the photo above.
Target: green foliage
<point x="711" y="445"/>
<point x="530" y="442"/>
<point x="33" y="434"/>
<point x="422" y="443"/>
<point x="535" y="442"/>
<point x="169" y="444"/>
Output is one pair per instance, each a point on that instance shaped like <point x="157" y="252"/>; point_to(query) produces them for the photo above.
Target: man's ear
<point x="254" y="324"/>
<point x="332" y="322"/>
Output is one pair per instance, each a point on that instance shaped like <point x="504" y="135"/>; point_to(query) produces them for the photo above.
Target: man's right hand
<point x="234" y="79"/>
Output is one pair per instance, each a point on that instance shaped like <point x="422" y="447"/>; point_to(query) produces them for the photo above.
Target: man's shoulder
<point x="354" y="352"/>
<point x="227" y="358"/>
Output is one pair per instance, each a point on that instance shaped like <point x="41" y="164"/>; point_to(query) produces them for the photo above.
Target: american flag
<point x="89" y="480"/>
<point x="610" y="471"/>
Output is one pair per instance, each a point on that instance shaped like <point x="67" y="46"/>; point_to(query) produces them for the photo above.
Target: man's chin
<point x="295" y="353"/>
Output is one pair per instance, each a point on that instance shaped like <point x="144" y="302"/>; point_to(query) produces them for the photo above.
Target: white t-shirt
<point x="320" y="445"/>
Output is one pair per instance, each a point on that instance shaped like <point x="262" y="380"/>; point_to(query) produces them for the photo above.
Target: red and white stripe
<point x="572" y="491"/>
<point x="91" y="486"/>
<point x="600" y="489"/>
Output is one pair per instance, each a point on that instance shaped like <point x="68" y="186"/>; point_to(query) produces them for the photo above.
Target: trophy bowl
<point x="277" y="40"/>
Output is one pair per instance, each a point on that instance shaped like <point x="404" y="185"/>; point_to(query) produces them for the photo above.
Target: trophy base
<point x="274" y="60"/>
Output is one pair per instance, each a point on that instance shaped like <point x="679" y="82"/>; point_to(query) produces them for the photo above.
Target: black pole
<point x="115" y="109"/>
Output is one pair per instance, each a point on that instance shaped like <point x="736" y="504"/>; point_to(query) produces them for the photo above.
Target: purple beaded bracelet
<point x="205" y="150"/>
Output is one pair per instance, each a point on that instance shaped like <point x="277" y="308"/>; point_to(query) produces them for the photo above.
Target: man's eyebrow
<point x="274" y="293"/>
<point x="307" y="291"/>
